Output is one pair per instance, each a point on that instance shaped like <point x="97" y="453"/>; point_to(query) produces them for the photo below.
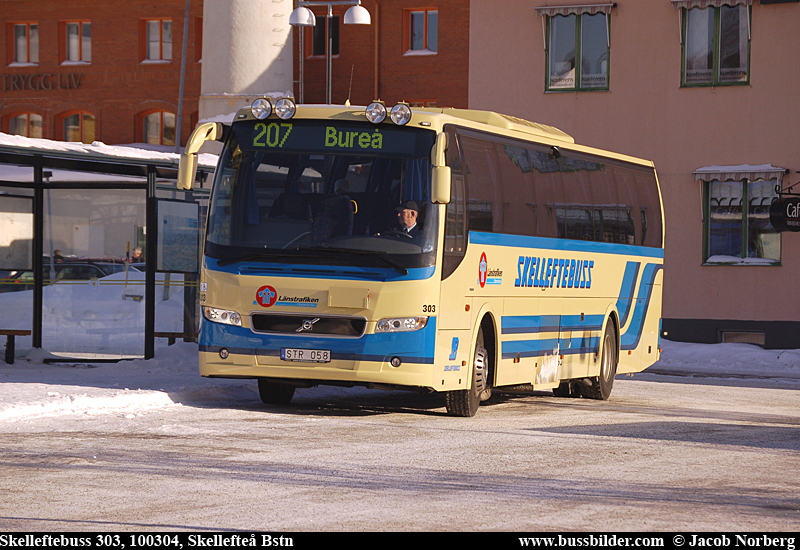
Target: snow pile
<point x="31" y="388"/>
<point x="139" y="151"/>
<point x="727" y="361"/>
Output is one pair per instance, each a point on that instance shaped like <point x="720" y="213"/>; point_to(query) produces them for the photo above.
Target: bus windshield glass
<point x="323" y="192"/>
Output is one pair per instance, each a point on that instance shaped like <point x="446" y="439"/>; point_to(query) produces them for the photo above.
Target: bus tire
<point x="466" y="402"/>
<point x="600" y="386"/>
<point x="274" y="393"/>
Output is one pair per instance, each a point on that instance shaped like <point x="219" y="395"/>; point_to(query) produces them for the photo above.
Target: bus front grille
<point x="308" y="325"/>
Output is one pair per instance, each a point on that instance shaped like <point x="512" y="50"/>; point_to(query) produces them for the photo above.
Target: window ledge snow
<point x="735" y="260"/>
<point x="411" y="53"/>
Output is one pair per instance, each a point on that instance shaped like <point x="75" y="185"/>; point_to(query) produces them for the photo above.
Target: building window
<point x="25" y="124"/>
<point x="738" y="230"/>
<point x="158" y="128"/>
<point x="422" y="32"/>
<point x="577" y="47"/>
<point x="319" y="35"/>
<point x="716" y="45"/>
<point x="157" y="40"/>
<point x="78" y="126"/>
<point x="78" y="43"/>
<point x="26" y="42"/>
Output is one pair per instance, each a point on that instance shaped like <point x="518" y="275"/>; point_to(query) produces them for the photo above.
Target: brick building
<point x="98" y="70"/>
<point x="411" y="51"/>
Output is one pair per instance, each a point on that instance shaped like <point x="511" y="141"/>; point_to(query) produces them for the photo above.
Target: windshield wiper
<point x="374" y="255"/>
<point x="310" y="253"/>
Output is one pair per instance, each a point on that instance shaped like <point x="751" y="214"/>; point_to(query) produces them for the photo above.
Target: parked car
<point x="69" y="269"/>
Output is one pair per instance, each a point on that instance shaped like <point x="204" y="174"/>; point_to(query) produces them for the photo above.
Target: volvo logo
<point x="308" y="324"/>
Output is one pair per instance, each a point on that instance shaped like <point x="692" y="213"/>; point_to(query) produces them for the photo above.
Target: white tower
<point x="247" y="53"/>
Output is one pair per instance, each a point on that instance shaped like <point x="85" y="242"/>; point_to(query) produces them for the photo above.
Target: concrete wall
<point x="246" y="54"/>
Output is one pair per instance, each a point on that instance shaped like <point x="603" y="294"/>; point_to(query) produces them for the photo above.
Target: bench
<point x="10" y="334"/>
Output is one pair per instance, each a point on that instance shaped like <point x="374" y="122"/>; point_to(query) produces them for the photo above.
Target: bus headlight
<point x="261" y="108"/>
<point x="376" y="112"/>
<point x="401" y="324"/>
<point x="401" y="114"/>
<point x="224" y="316"/>
<point x="285" y="108"/>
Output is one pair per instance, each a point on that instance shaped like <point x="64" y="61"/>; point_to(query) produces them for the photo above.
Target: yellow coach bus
<point x="440" y="250"/>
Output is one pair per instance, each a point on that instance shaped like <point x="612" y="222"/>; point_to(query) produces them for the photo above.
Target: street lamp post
<point x="304" y="17"/>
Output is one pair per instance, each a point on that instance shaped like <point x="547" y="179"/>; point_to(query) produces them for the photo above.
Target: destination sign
<point x="331" y="137"/>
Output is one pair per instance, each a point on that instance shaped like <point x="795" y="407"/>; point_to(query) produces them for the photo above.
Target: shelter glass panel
<point x="94" y="290"/>
<point x="16" y="264"/>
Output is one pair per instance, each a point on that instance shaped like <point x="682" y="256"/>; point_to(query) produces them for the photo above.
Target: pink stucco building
<point x="708" y="90"/>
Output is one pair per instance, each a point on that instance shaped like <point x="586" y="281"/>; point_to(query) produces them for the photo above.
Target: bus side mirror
<point x="440" y="185"/>
<point x="187" y="169"/>
<point x="440" y="176"/>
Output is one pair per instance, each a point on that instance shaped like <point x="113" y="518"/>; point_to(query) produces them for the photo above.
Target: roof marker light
<point x="285" y="108"/>
<point x="376" y="112"/>
<point x="401" y="114"/>
<point x="261" y="108"/>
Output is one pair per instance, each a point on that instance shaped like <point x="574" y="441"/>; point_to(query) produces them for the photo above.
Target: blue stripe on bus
<point x="545" y="243"/>
<point x="411" y="347"/>
<point x="626" y="297"/>
<point x="630" y="340"/>
<point x="303" y="271"/>
<point x="579" y="345"/>
<point x="534" y="324"/>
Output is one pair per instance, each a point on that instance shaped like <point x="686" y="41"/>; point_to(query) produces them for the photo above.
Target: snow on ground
<point x="31" y="388"/>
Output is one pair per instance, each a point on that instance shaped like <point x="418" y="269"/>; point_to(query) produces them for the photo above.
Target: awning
<point x="750" y="172"/>
<point x="676" y="4"/>
<point x="591" y="9"/>
<point x="578" y="10"/>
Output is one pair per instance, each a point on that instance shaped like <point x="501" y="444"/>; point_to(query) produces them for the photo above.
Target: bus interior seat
<point x="292" y="206"/>
<point x="336" y="219"/>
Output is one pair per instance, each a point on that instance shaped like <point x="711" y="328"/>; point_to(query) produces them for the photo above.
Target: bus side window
<point x="455" y="243"/>
<point x="484" y="192"/>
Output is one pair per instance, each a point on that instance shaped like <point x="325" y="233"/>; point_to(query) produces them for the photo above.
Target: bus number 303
<point x="428" y="308"/>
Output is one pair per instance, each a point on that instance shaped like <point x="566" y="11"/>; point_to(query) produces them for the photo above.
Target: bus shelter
<point x="99" y="251"/>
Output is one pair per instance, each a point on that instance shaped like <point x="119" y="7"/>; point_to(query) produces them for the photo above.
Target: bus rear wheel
<point x="466" y="402"/>
<point x="600" y="386"/>
<point x="274" y="393"/>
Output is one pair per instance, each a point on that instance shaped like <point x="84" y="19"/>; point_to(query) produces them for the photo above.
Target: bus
<point x="536" y="262"/>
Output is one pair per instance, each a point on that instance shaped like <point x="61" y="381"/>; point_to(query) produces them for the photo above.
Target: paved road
<point x="664" y="454"/>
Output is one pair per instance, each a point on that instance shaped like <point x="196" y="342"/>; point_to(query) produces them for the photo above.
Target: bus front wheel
<point x="600" y="386"/>
<point x="466" y="402"/>
<point x="274" y="393"/>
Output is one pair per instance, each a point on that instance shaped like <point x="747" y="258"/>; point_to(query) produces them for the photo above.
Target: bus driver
<point x="407" y="214"/>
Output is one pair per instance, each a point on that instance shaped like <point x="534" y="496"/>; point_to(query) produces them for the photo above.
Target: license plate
<point x="306" y="355"/>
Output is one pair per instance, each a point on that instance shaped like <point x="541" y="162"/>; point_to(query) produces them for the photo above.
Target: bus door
<point x="455" y="303"/>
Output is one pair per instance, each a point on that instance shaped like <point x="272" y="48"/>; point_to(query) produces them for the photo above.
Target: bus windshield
<point x="323" y="192"/>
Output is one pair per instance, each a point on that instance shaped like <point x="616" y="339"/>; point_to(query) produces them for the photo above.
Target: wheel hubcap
<point x="479" y="370"/>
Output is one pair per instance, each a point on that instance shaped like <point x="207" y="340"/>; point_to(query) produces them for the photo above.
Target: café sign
<point x="37" y="82"/>
<point x="784" y="213"/>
